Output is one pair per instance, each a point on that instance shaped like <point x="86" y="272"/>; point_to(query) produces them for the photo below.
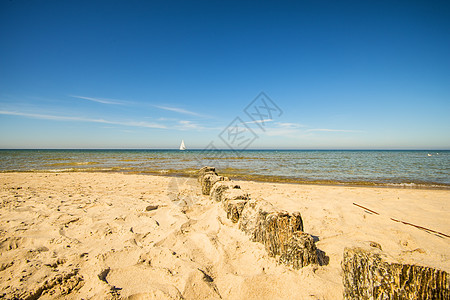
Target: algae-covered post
<point x="367" y="275"/>
<point x="280" y="232"/>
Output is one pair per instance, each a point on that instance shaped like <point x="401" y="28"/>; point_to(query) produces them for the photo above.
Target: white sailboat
<point x="182" y="146"/>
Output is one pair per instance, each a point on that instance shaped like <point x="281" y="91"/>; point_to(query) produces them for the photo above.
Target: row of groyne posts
<point x="366" y="274"/>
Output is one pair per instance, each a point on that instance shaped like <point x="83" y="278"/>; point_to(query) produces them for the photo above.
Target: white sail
<point x="182" y="146"/>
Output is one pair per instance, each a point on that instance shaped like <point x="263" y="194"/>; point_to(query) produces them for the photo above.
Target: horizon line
<point x="250" y="149"/>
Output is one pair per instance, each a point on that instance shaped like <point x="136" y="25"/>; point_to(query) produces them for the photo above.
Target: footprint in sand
<point x="12" y="243"/>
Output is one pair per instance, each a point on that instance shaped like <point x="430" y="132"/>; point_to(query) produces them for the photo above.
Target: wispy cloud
<point x="289" y="125"/>
<point x="259" y="121"/>
<point x="289" y="130"/>
<point x="185" y="125"/>
<point x="123" y="102"/>
<point x="101" y="100"/>
<point x="189" y="125"/>
<point x="179" y="110"/>
<point x="285" y="132"/>
<point x="81" y="119"/>
<point x="296" y="130"/>
<point x="331" y="130"/>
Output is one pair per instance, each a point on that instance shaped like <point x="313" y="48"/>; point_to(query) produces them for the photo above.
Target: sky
<point x="226" y="74"/>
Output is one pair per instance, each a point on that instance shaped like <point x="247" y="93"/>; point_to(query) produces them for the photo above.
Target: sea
<point x="400" y="168"/>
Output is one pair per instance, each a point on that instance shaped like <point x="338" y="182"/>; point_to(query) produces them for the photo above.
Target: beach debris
<point x="151" y="207"/>
<point x="103" y="274"/>
<point x="366" y="209"/>
<point x="200" y="285"/>
<point x="423" y="228"/>
<point x="375" y="245"/>
<point x="367" y="275"/>
<point x="42" y="249"/>
<point x="206" y="277"/>
<point x="406" y="223"/>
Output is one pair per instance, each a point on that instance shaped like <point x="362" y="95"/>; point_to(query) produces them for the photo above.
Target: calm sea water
<point x="401" y="168"/>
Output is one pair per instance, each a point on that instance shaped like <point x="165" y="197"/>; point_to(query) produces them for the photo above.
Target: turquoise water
<point x="401" y="168"/>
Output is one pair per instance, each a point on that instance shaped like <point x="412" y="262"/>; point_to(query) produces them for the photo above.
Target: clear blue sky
<point x="146" y="74"/>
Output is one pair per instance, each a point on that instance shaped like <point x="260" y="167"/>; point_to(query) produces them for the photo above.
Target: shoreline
<point x="190" y="173"/>
<point x="403" y="169"/>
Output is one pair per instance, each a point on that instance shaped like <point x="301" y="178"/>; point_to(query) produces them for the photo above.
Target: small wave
<point x="71" y="170"/>
<point x="54" y="170"/>
<point x="418" y="185"/>
<point x="68" y="164"/>
<point x="235" y="158"/>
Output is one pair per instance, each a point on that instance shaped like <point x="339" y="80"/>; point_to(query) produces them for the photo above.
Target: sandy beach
<point x="112" y="235"/>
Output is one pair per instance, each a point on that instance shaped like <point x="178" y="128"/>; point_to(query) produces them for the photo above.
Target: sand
<point x="108" y="235"/>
